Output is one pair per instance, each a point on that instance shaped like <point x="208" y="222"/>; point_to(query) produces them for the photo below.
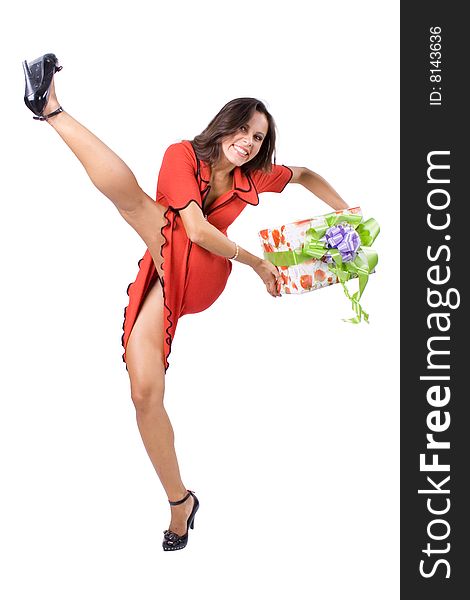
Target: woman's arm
<point x="207" y="236"/>
<point x="202" y="233"/>
<point x="318" y="186"/>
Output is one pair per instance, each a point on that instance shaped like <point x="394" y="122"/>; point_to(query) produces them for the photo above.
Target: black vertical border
<point x="426" y="128"/>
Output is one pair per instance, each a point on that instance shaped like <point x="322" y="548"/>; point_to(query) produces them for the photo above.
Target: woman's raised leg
<point x="144" y="351"/>
<point x="145" y="364"/>
<point x="112" y="177"/>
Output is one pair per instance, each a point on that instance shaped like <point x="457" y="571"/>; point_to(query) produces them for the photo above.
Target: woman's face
<point x="244" y="144"/>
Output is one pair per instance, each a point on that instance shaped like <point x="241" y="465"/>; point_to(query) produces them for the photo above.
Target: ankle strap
<point x="180" y="501"/>
<point x="52" y="114"/>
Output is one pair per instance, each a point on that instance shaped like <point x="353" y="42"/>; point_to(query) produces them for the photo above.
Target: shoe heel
<point x="26" y="69"/>
<point x="192" y="524"/>
<point x="28" y="76"/>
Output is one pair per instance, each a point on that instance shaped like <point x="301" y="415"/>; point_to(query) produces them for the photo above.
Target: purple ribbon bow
<point x="345" y="239"/>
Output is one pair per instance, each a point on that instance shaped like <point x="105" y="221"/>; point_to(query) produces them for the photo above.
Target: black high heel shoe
<point x="173" y="541"/>
<point x="38" y="78"/>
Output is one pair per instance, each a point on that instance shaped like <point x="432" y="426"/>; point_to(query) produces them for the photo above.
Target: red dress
<point x="193" y="277"/>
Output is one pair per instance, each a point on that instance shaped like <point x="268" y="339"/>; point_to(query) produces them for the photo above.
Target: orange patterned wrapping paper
<point x="311" y="274"/>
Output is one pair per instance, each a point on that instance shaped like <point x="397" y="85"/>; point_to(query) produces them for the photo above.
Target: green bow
<point x="316" y="247"/>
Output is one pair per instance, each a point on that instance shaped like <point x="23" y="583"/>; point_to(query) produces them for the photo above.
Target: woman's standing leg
<point x="144" y="350"/>
<point x="145" y="363"/>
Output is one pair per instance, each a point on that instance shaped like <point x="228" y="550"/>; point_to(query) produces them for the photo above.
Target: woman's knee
<point x="147" y="395"/>
<point x="146" y="371"/>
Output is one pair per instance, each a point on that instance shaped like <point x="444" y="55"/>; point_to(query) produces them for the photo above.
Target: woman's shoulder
<point x="274" y="180"/>
<point x="179" y="156"/>
<point x="182" y="149"/>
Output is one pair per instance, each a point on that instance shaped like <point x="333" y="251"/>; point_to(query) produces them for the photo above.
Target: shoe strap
<point x="46" y="117"/>
<point x="180" y="501"/>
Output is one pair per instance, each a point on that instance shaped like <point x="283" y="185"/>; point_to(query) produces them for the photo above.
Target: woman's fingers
<point x="271" y="277"/>
<point x="274" y="287"/>
<point x="277" y="283"/>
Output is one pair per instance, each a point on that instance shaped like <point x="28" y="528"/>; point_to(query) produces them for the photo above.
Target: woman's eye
<point x="259" y="138"/>
<point x="243" y="128"/>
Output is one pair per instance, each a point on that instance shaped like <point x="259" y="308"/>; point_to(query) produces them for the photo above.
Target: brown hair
<point x="207" y="145"/>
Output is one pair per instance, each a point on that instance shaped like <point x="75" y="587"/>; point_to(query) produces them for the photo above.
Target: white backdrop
<point x="286" y="418"/>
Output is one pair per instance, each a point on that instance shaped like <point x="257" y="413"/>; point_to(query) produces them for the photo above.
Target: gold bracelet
<point x="236" y="253"/>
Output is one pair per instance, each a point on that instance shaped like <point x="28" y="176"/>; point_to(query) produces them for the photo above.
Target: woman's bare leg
<point x="145" y="363"/>
<point x="144" y="351"/>
<point x="112" y="177"/>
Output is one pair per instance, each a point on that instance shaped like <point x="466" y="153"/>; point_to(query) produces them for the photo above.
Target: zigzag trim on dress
<point x="168" y="337"/>
<point x="168" y="317"/>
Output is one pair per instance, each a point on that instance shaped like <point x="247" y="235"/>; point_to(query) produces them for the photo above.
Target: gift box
<point x="324" y="250"/>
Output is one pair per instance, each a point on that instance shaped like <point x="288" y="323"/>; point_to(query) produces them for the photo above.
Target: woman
<point x="203" y="186"/>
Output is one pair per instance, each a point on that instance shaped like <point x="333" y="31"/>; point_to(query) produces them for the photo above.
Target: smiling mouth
<point x="240" y="151"/>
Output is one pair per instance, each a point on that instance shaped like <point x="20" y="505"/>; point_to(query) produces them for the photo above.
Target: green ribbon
<point x="316" y="247"/>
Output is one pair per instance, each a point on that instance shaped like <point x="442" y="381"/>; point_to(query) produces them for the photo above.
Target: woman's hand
<point x="270" y="276"/>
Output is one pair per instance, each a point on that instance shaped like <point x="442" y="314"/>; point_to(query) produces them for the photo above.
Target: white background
<point x="286" y="418"/>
